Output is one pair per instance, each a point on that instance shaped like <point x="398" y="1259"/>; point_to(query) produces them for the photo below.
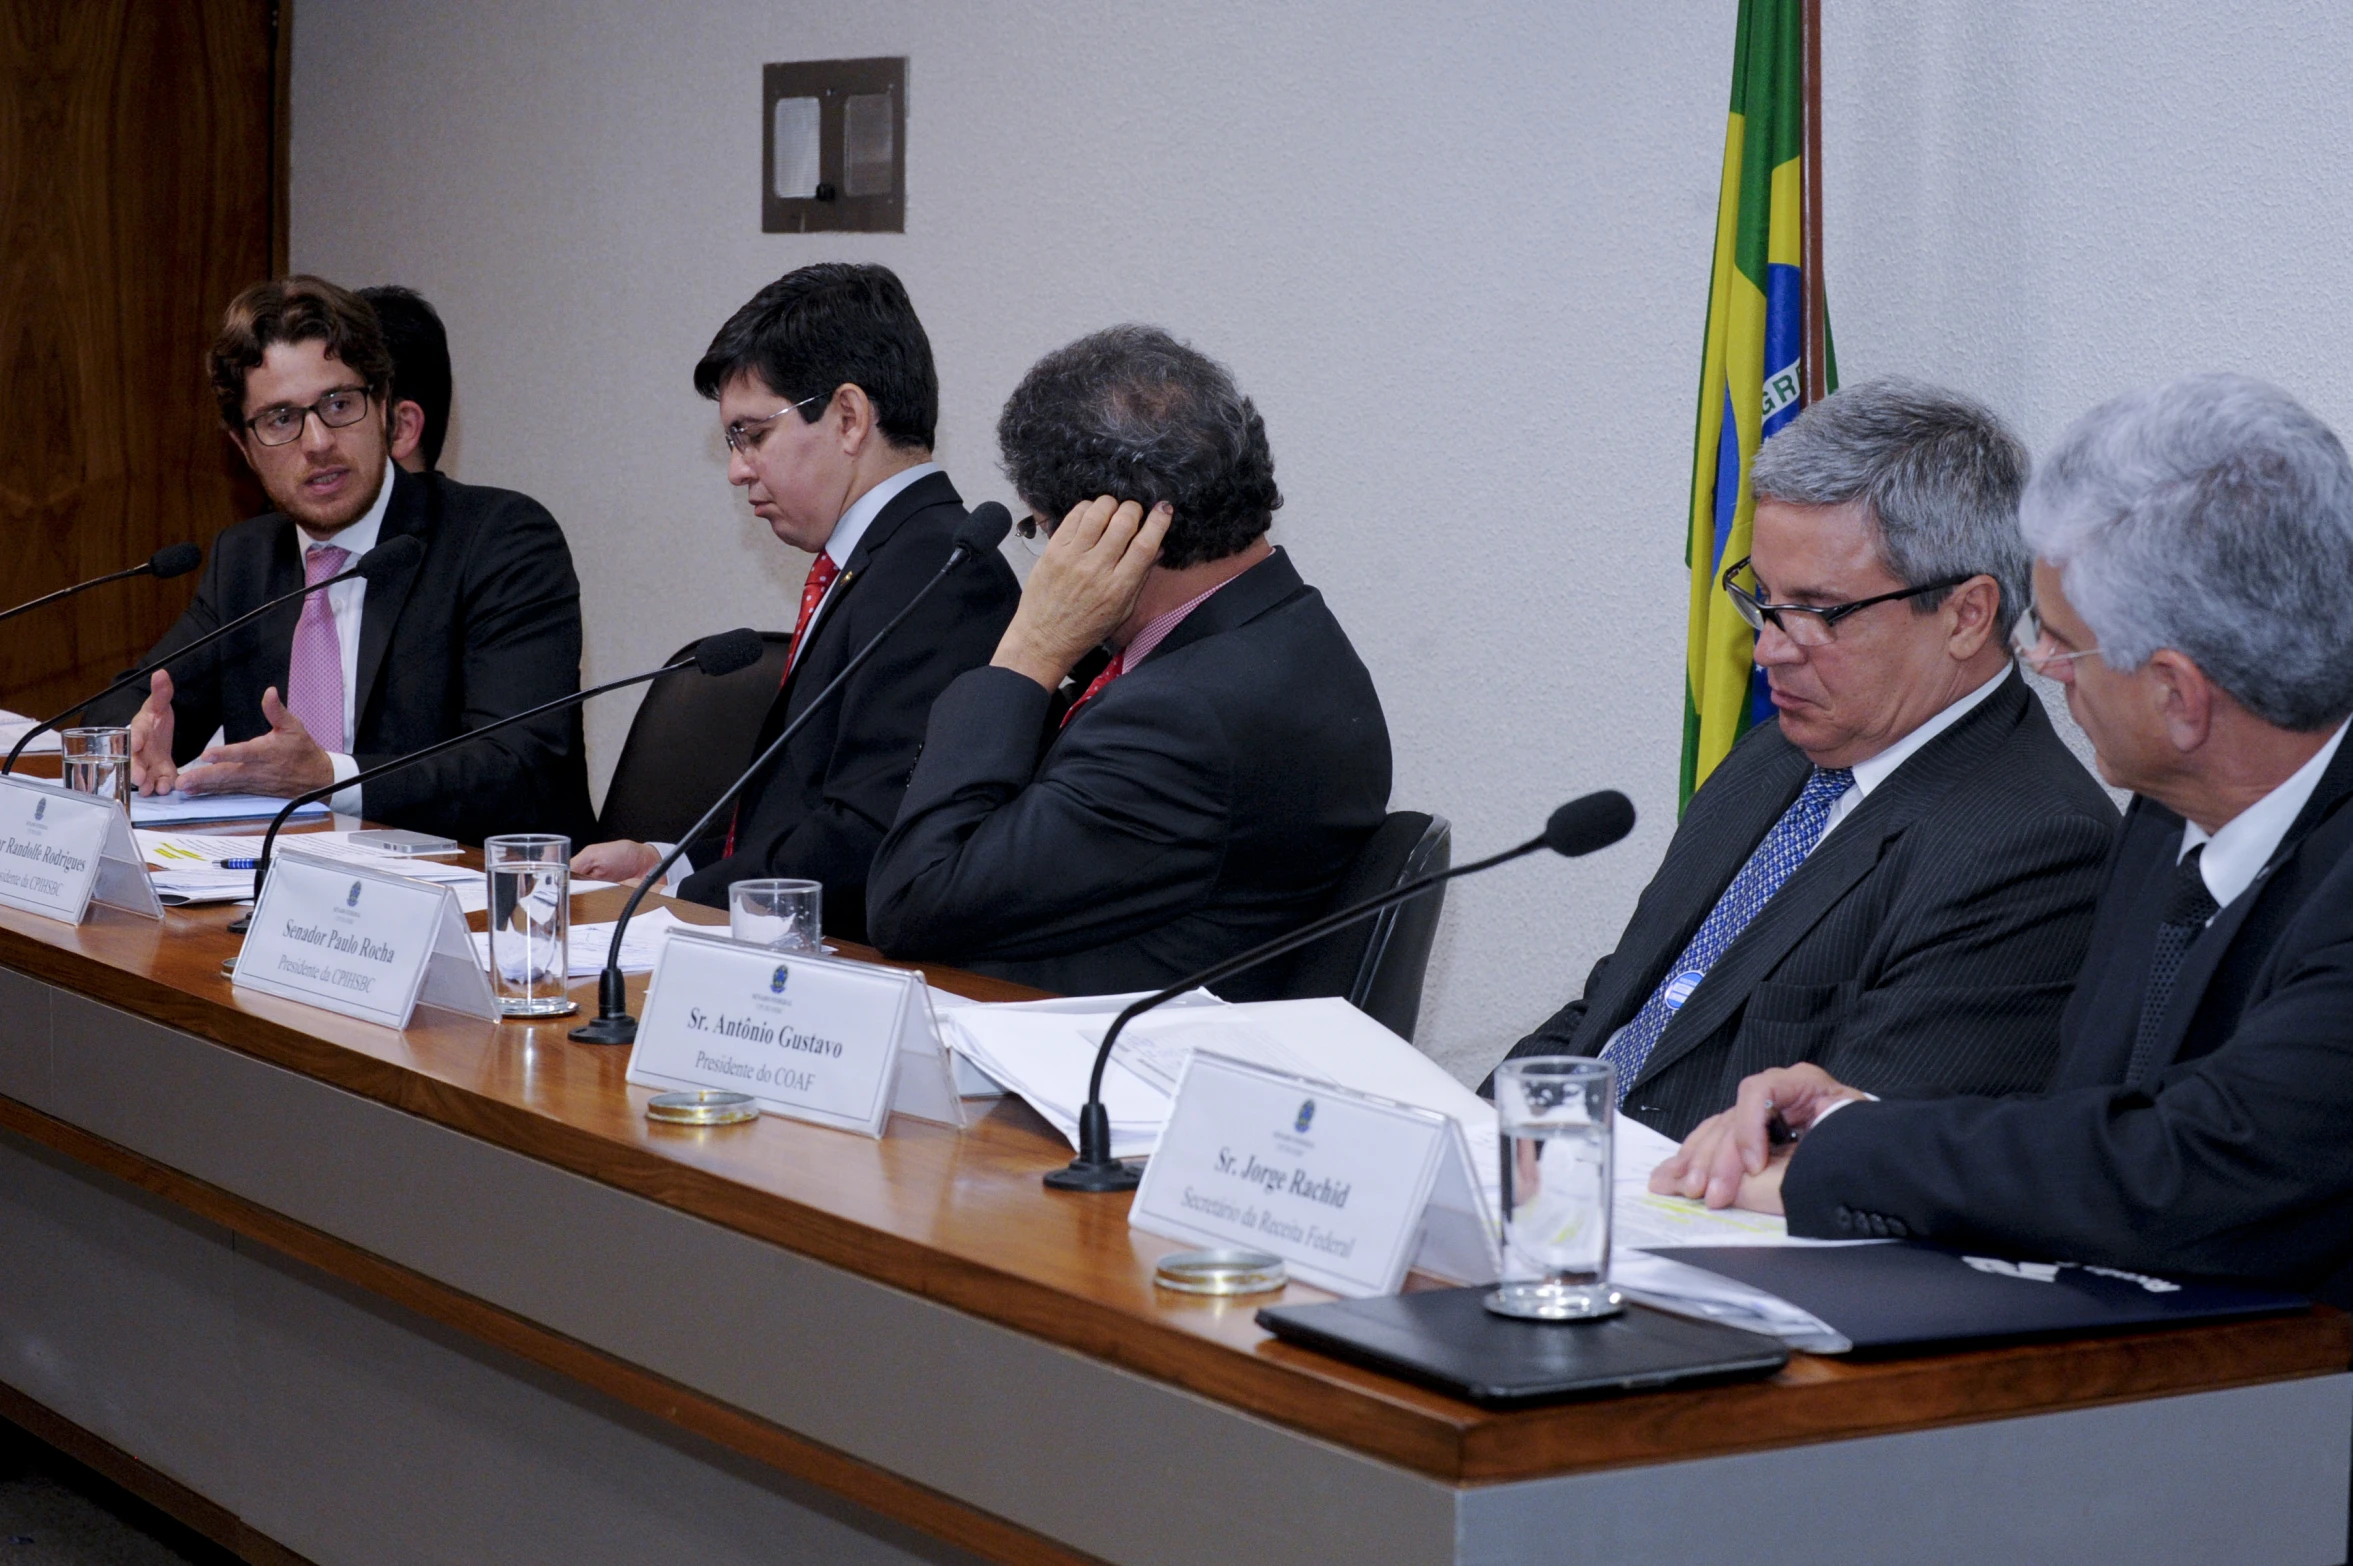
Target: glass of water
<point x="1553" y="1114"/>
<point x="530" y="923"/>
<point x="782" y="914"/>
<point x="98" y="761"/>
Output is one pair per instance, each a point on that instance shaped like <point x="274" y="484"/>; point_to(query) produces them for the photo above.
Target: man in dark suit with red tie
<point x="827" y="399"/>
<point x="2194" y="593"/>
<point x="1175" y="754"/>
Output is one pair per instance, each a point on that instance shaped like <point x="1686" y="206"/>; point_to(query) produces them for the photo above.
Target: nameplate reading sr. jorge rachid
<point x="1350" y="1190"/>
<point x="61" y="851"/>
<point x="366" y="943"/>
<point x="842" y="1044"/>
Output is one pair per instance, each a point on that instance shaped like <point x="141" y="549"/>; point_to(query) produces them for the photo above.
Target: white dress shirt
<point x="348" y="600"/>
<point x="1875" y="770"/>
<point x="2237" y="853"/>
<point x="847" y="534"/>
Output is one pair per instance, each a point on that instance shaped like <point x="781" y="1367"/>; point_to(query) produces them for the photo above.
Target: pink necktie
<point x="314" y="674"/>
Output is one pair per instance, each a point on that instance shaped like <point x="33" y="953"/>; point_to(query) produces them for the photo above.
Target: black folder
<point x="1909" y="1296"/>
<point x="1448" y="1339"/>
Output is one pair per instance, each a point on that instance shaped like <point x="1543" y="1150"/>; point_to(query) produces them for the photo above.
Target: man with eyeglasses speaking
<point x="485" y="623"/>
<point x="827" y="401"/>
<point x="1894" y="879"/>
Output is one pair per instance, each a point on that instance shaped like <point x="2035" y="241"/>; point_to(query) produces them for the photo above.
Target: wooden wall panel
<point x="139" y="166"/>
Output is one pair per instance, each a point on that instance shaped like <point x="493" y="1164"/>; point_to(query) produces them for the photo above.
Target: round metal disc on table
<point x="1220" y="1272"/>
<point x="702" y="1107"/>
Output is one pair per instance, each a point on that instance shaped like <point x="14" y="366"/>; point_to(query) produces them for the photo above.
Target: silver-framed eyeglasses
<point x="2038" y="648"/>
<point x="340" y="408"/>
<point x="744" y="434"/>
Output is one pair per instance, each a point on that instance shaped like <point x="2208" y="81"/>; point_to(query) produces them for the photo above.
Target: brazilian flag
<point x="1752" y="378"/>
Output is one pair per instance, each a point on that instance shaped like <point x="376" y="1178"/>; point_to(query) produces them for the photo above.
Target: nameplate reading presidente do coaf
<point x="1350" y="1190"/>
<point x="842" y="1044"/>
<point x="61" y="851"/>
<point x="366" y="943"/>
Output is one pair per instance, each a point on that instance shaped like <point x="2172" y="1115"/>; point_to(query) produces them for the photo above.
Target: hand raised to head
<point x="1084" y="585"/>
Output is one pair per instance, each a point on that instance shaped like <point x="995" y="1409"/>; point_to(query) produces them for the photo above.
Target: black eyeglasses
<point x="342" y="407"/>
<point x="1813" y="625"/>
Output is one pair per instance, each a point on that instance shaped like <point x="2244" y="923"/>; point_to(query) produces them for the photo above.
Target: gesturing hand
<point x="1728" y="1158"/>
<point x="152" y="768"/>
<point x="284" y="762"/>
<point x="1083" y="586"/>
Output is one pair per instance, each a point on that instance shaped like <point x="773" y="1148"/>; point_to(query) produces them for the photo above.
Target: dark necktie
<point x="2186" y="914"/>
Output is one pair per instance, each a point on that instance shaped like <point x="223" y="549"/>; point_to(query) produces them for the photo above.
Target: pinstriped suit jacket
<point x="1927" y="946"/>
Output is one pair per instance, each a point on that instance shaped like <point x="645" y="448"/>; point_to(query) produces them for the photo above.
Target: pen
<point x="240" y="864"/>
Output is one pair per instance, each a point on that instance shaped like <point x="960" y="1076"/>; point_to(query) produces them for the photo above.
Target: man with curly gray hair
<point x="2194" y="594"/>
<point x="1175" y="753"/>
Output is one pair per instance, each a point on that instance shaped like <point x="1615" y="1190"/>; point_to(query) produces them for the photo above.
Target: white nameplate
<point x="843" y="1044"/>
<point x="1350" y="1190"/>
<point x="61" y="851"/>
<point x="366" y="943"/>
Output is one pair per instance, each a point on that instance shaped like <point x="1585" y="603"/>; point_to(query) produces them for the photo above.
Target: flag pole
<point x="1812" y="294"/>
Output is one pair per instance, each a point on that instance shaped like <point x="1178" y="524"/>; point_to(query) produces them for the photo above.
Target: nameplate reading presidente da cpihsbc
<point x="366" y="943"/>
<point x="61" y="851"/>
<point x="1350" y="1190"/>
<point x="842" y="1044"/>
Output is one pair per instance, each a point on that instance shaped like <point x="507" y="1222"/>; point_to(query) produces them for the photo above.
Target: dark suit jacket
<point x="486" y="624"/>
<point x="1206" y="800"/>
<point x="820" y="812"/>
<point x="2231" y="1154"/>
<point x="1927" y="946"/>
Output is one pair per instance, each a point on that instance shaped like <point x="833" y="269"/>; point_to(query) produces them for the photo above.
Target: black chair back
<point x="1378" y="964"/>
<point x="693" y="734"/>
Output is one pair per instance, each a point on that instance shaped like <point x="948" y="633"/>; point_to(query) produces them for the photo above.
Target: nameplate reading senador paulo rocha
<point x="366" y="943"/>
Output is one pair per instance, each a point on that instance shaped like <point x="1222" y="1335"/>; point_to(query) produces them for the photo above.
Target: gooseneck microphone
<point x="721" y="654"/>
<point x="386" y="559"/>
<point x="170" y="561"/>
<point x="980" y="533"/>
<point x="1578" y="827"/>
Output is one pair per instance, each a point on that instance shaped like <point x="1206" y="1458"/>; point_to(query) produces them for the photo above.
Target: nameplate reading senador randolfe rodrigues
<point x="806" y="1037"/>
<point x="50" y="843"/>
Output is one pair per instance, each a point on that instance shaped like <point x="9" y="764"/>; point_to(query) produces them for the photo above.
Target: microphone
<point x="721" y="654"/>
<point x="978" y="534"/>
<point x="1578" y="827"/>
<point x="170" y="561"/>
<point x="386" y="559"/>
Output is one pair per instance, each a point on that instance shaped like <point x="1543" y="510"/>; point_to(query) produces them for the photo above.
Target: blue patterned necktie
<point x="1775" y="860"/>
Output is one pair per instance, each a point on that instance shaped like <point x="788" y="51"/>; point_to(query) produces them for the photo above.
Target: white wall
<point x="1459" y="259"/>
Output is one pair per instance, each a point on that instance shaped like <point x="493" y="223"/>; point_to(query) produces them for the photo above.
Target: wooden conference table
<point x="334" y="1292"/>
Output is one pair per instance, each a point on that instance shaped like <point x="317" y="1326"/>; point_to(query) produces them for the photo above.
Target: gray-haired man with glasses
<point x="1893" y="877"/>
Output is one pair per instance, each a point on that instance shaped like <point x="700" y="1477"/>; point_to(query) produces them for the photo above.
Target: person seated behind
<point x="485" y="624"/>
<point x="2194" y="593"/>
<point x="421" y="386"/>
<point x="1219" y="756"/>
<point x="1895" y="878"/>
<point x="850" y="479"/>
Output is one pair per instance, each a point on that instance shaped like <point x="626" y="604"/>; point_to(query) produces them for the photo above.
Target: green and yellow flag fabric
<point x="1752" y="379"/>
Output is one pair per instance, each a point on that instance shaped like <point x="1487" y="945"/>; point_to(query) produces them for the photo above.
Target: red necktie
<point x="822" y="571"/>
<point x="1111" y="671"/>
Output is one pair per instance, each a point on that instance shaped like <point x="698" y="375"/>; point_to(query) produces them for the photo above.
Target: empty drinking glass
<point x="530" y="923"/>
<point x="782" y="914"/>
<point x="1553" y="1114"/>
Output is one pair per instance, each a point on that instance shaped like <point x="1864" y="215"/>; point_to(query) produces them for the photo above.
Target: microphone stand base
<point x="1107" y="1176"/>
<point x="606" y="1030"/>
<point x="242" y="923"/>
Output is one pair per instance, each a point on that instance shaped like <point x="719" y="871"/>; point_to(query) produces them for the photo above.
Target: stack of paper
<point x="12" y="729"/>
<point x="1640" y="1218"/>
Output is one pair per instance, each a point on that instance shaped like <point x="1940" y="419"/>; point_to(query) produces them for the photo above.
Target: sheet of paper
<point x="170" y="809"/>
<point x="589" y="943"/>
<point x="12" y="729"/>
<point x="474" y="896"/>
